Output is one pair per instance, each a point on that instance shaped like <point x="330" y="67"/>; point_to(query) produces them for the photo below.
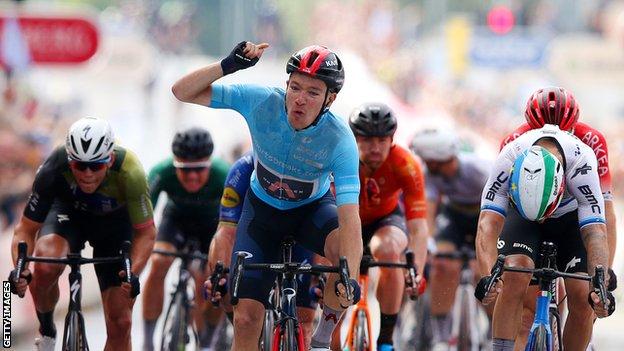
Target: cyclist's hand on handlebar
<point x="133" y="288"/>
<point x="341" y="293"/>
<point x="19" y="287"/>
<point x="487" y="297"/>
<point x="419" y="289"/>
<point x="601" y="310"/>
<point x="612" y="280"/>
<point x="220" y="291"/>
<point x="317" y="287"/>
<point x="244" y="55"/>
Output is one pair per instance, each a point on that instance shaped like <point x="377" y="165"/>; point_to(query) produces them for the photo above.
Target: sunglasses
<point x="189" y="167"/>
<point x="93" y="166"/>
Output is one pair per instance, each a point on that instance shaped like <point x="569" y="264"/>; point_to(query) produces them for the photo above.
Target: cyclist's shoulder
<point x="401" y="157"/>
<point x="244" y="164"/>
<point x="588" y="134"/>
<point x="53" y="167"/>
<point x="163" y="168"/>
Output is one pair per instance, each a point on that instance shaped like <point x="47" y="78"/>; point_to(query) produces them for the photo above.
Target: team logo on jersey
<point x="230" y="197"/>
<point x="584" y="169"/>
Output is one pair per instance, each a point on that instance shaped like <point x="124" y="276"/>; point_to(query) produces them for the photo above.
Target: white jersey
<point x="581" y="176"/>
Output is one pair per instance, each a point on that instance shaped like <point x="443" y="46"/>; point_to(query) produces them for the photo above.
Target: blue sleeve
<point x="235" y="188"/>
<point x="346" y="172"/>
<point x="243" y="98"/>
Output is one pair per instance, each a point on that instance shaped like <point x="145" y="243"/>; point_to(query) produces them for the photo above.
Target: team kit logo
<point x="230" y="198"/>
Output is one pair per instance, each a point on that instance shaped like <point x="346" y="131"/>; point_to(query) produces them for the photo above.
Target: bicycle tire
<point x="464" y="341"/>
<point x="555" y="328"/>
<point x="174" y="325"/>
<point x="267" y="331"/>
<point x="539" y="341"/>
<point x="360" y="339"/>
<point x="289" y="338"/>
<point x="72" y="337"/>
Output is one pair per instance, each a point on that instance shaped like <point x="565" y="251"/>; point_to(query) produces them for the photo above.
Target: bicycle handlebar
<point x="127" y="261"/>
<point x="411" y="270"/>
<point x="219" y="272"/>
<point x="183" y="255"/>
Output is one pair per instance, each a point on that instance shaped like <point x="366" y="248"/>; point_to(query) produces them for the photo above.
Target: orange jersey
<point x="380" y="192"/>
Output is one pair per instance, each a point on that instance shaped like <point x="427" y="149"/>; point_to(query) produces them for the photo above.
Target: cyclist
<point x="89" y="190"/>
<point x="297" y="143"/>
<point x="555" y="163"/>
<point x="236" y="185"/>
<point x="193" y="182"/>
<point x="454" y="183"/>
<point x="388" y="171"/>
<point x="556" y="105"/>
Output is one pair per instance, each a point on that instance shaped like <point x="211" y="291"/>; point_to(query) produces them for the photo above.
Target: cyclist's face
<point x="193" y="178"/>
<point x="374" y="150"/>
<point x="305" y="97"/>
<point x="87" y="178"/>
<point x="446" y="168"/>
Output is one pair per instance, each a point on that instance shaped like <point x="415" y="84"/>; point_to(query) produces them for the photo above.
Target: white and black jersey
<point x="581" y="176"/>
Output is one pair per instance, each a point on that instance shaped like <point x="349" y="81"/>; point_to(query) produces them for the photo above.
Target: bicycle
<point x="74" y="333"/>
<point x="283" y="325"/>
<point x="470" y="323"/>
<point x="359" y="337"/>
<point x="547" y="319"/>
<point x="178" y="319"/>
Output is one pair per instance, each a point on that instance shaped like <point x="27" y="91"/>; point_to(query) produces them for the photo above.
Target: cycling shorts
<point x="262" y="227"/>
<point x="104" y="233"/>
<point x="523" y="237"/>
<point x="456" y="227"/>
<point x="395" y="218"/>
<point x="176" y="228"/>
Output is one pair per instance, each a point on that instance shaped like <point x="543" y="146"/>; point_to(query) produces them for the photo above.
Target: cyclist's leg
<point x="444" y="277"/>
<point x="260" y="229"/>
<point x="57" y="237"/>
<point x="572" y="258"/>
<point x="319" y="233"/>
<point x="520" y="242"/>
<point x="106" y="239"/>
<point x="169" y="238"/>
<point x="388" y="244"/>
<point x="528" y="315"/>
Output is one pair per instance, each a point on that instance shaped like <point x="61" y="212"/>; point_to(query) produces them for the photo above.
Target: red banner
<point x="56" y="39"/>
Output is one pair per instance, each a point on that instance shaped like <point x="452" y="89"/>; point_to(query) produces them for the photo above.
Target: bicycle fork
<point x="361" y="306"/>
<point x="541" y="319"/>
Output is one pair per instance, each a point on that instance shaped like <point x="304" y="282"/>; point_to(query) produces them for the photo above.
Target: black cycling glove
<point x="480" y="291"/>
<point x="12" y="283"/>
<point x="237" y="60"/>
<point x="355" y="286"/>
<point x="610" y="299"/>
<point x="612" y="280"/>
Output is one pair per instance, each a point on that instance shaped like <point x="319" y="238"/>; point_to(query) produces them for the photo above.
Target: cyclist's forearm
<point x="418" y="236"/>
<point x="350" y="237"/>
<point x="142" y="246"/>
<point x="489" y="228"/>
<point x="595" y="240"/>
<point x="222" y="244"/>
<point x="611" y="230"/>
<point x="195" y="87"/>
<point x="26" y="230"/>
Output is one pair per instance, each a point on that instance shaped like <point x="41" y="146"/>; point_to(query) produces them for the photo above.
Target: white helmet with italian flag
<point x="536" y="183"/>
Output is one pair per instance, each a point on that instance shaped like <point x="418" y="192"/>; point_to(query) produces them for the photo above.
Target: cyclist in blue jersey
<point x="236" y="185"/>
<point x="297" y="144"/>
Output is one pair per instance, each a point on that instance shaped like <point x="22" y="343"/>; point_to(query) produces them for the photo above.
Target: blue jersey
<point x="235" y="188"/>
<point x="293" y="167"/>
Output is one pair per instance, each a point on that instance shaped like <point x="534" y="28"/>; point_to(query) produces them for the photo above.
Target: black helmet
<point x="373" y="119"/>
<point x="318" y="62"/>
<point x="192" y="144"/>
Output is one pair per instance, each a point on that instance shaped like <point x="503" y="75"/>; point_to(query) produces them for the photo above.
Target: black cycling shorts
<point x="260" y="231"/>
<point x="176" y="228"/>
<point x="104" y="233"/>
<point x="524" y="237"/>
<point x="395" y="218"/>
<point x="456" y="227"/>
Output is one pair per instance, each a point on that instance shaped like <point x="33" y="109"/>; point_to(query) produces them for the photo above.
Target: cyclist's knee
<point x="119" y="324"/>
<point x="160" y="265"/>
<point x="51" y="245"/>
<point x="388" y="244"/>
<point x="248" y="315"/>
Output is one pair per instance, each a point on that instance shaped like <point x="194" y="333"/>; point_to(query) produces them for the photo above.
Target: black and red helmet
<point x="552" y="105"/>
<point x="318" y="62"/>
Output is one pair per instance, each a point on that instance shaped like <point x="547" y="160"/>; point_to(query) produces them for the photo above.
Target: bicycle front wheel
<point x="539" y="340"/>
<point x="73" y="335"/>
<point x="174" y="327"/>
<point x="555" y="327"/>
<point x="360" y="337"/>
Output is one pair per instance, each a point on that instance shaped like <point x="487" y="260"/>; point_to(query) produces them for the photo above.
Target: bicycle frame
<point x="75" y="306"/>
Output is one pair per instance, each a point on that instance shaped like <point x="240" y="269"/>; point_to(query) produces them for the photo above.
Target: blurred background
<point x="468" y="65"/>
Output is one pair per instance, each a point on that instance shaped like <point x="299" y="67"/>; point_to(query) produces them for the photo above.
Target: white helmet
<point x="435" y="145"/>
<point x="89" y="139"/>
<point x="536" y="183"/>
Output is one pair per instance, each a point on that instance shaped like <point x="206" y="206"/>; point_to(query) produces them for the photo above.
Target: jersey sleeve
<point x="156" y="182"/>
<point x="236" y="185"/>
<point x="346" y="172"/>
<point x="495" y="196"/>
<point x="412" y="182"/>
<point x="43" y="191"/>
<point x="137" y="192"/>
<point x="514" y="135"/>
<point x="584" y="184"/>
<point x="596" y="140"/>
<point x="243" y="98"/>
